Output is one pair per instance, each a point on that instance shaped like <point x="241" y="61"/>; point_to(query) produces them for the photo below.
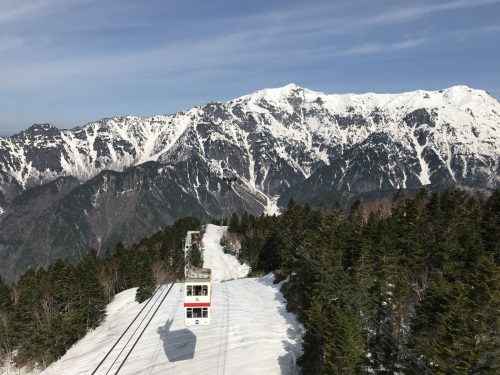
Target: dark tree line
<point x="48" y="310"/>
<point x="412" y="281"/>
<point x="406" y="287"/>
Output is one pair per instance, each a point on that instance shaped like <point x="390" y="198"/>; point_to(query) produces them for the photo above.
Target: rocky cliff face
<point x="64" y="191"/>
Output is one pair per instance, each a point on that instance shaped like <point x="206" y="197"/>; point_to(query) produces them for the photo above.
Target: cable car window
<point x="205" y="290"/>
<point x="189" y="312"/>
<point x="197" y="312"/>
<point x="197" y="290"/>
<point x="189" y="290"/>
<point x="205" y="312"/>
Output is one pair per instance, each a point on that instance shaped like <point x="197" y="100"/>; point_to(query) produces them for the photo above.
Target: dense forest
<point x="48" y="310"/>
<point x="405" y="285"/>
<point x="410" y="285"/>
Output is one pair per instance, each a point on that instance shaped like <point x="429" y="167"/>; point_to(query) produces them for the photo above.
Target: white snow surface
<point x="292" y="125"/>
<point x="223" y="266"/>
<point x="250" y="332"/>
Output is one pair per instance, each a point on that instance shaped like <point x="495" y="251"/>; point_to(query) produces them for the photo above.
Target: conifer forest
<point x="405" y="285"/>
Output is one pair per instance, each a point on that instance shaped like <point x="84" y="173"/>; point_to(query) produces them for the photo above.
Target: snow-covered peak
<point x="459" y="97"/>
<point x="463" y="95"/>
<point x="37" y="130"/>
<point x="274" y="142"/>
<point x="291" y="126"/>
<point x="42" y="127"/>
<point x="272" y="94"/>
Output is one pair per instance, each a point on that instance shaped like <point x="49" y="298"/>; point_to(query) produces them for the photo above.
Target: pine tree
<point x="91" y="303"/>
<point x="146" y="283"/>
<point x="5" y="311"/>
<point x="234" y="223"/>
<point x="490" y="225"/>
<point x="196" y="256"/>
<point x="24" y="321"/>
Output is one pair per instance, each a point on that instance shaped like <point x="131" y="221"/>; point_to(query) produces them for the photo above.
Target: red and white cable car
<point x="197" y="289"/>
<point x="197" y="297"/>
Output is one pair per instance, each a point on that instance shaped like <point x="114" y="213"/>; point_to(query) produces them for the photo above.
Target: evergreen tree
<point x="416" y="281"/>
<point x="146" y="283"/>
<point x="196" y="256"/>
<point x="91" y="302"/>
<point x="234" y="223"/>
<point x="5" y="311"/>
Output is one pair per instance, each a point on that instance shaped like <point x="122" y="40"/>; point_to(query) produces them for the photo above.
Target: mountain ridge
<point x="276" y="144"/>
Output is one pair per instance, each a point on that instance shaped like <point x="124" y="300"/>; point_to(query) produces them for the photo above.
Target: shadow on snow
<point x="178" y="345"/>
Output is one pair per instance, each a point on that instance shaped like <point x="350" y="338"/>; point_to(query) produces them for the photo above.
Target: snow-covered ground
<point x="223" y="266"/>
<point x="250" y="330"/>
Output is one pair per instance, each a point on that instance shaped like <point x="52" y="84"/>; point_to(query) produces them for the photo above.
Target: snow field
<point x="250" y="330"/>
<point x="223" y="266"/>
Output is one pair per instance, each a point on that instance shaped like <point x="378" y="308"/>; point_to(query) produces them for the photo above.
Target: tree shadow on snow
<point x="293" y="343"/>
<point x="178" y="345"/>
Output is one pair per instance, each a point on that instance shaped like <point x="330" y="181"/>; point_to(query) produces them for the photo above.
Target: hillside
<point x="250" y="331"/>
<point x="408" y="285"/>
<point x="130" y="176"/>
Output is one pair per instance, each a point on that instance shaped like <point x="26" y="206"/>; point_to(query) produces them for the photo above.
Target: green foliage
<point x="5" y="311"/>
<point x="414" y="285"/>
<point x="145" y="283"/>
<point x="234" y="223"/>
<point x="196" y="256"/>
<point x="48" y="310"/>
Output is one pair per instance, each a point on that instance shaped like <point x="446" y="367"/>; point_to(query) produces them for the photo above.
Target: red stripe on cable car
<point x="197" y="304"/>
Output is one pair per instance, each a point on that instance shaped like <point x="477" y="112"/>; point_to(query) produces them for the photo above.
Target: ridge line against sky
<point x="69" y="63"/>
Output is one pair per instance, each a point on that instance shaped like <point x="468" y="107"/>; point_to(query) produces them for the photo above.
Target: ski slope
<point x="223" y="266"/>
<point x="250" y="330"/>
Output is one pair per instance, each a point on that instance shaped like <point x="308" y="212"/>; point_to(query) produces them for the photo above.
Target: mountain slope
<point x="134" y="175"/>
<point x="246" y="313"/>
<point x="275" y="138"/>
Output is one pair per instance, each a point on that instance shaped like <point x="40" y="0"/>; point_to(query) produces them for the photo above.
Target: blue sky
<point x="69" y="62"/>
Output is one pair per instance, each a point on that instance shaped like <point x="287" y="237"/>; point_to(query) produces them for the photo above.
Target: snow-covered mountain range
<point x="277" y="143"/>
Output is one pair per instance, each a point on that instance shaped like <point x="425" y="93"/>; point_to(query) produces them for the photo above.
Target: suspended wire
<point x="137" y="328"/>
<point x="350" y="298"/>
<point x="406" y="330"/>
<point x="306" y="256"/>
<point x="345" y="278"/>
<point x="330" y="277"/>
<point x="177" y="274"/>
<point x="147" y="324"/>
<point x="181" y="261"/>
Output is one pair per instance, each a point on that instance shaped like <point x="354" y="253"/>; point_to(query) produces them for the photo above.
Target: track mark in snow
<point x="221" y="361"/>
<point x="156" y="356"/>
<point x="248" y="316"/>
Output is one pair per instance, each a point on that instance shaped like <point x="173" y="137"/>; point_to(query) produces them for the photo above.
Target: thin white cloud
<point x="15" y="11"/>
<point x="173" y="58"/>
<point x="341" y="23"/>
<point x="20" y="10"/>
<point x="8" y="43"/>
<point x="477" y="30"/>
<point x="378" y="47"/>
<point x="415" y="12"/>
<point x="269" y="38"/>
<point x="12" y="11"/>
